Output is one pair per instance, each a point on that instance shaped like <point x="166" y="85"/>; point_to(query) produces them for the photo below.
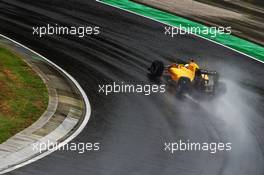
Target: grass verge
<point x="23" y="95"/>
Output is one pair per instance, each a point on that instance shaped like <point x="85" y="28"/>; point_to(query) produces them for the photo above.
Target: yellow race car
<point x="188" y="75"/>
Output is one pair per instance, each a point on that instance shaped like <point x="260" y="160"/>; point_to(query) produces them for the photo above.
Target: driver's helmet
<point x="192" y="65"/>
<point x="174" y="65"/>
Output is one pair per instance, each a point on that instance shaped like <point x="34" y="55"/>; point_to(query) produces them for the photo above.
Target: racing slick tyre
<point x="199" y="82"/>
<point x="156" y="69"/>
<point x="184" y="85"/>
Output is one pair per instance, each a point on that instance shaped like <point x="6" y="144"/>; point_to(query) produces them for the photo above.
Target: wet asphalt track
<point x="132" y="128"/>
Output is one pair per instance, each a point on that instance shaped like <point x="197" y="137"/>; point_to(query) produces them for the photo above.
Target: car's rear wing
<point x="207" y="72"/>
<point x="213" y="77"/>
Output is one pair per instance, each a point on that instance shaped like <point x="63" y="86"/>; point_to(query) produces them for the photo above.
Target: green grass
<point x="23" y="95"/>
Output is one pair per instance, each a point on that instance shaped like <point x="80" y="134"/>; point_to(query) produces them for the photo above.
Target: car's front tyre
<point x="184" y="85"/>
<point x="156" y="69"/>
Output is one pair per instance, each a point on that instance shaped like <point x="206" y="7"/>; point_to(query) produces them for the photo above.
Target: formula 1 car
<point x="187" y="75"/>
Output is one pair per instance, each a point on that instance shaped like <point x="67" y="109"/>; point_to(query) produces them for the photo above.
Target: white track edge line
<point x="181" y="29"/>
<point x="71" y="137"/>
<point x="83" y="93"/>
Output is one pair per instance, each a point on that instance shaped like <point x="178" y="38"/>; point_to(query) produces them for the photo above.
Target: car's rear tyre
<point x="156" y="69"/>
<point x="184" y="85"/>
<point x="198" y="82"/>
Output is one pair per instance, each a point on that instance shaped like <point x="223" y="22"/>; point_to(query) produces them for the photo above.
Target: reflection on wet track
<point x="132" y="128"/>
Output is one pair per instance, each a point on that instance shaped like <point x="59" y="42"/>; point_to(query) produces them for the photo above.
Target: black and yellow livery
<point x="188" y="75"/>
